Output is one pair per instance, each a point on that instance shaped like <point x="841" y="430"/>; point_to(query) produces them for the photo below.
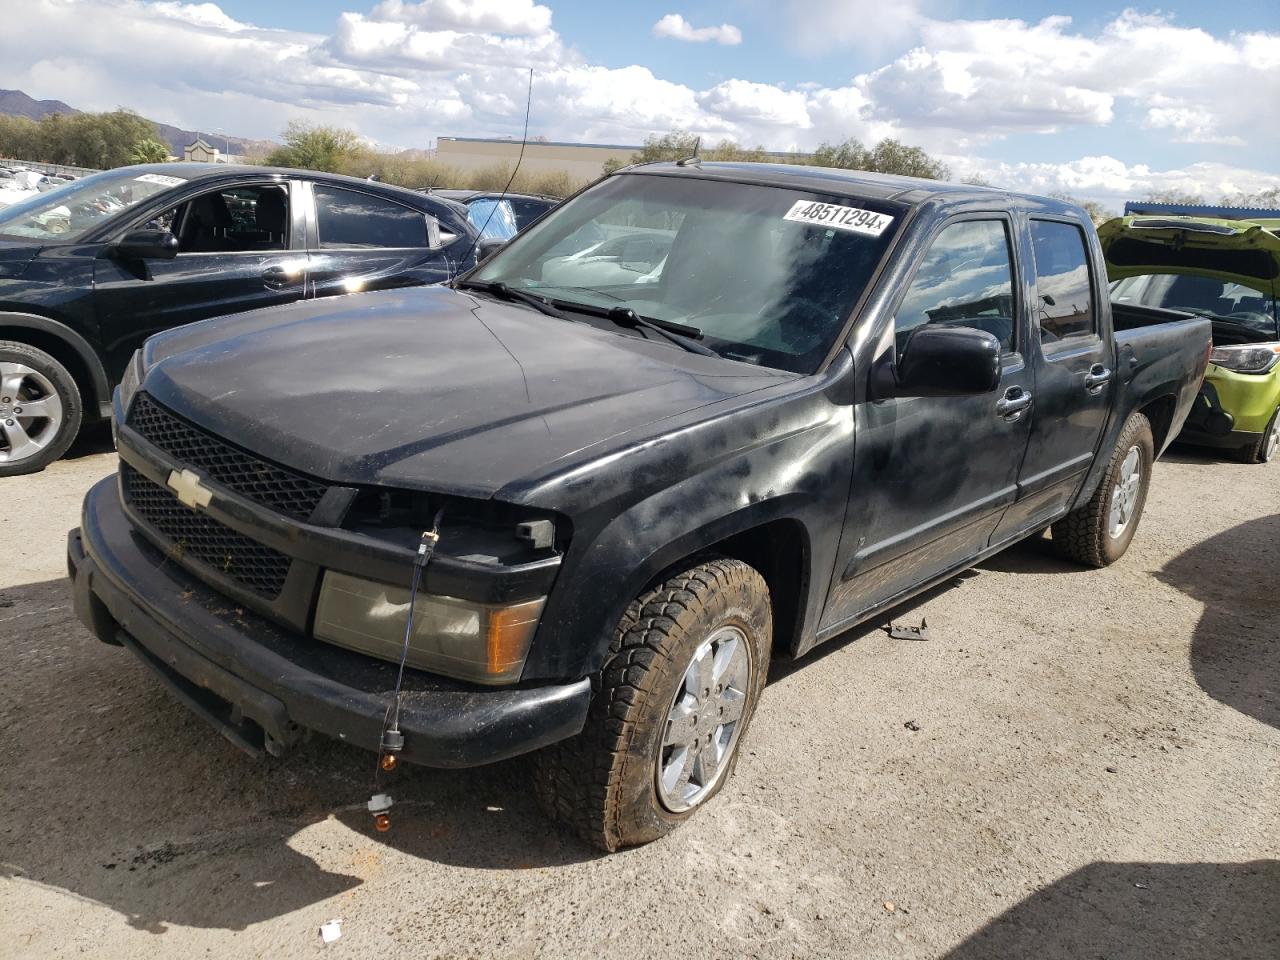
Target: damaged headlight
<point x="1247" y="357"/>
<point x="480" y="642"/>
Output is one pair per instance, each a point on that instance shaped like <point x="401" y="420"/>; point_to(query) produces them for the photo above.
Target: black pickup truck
<point x="772" y="403"/>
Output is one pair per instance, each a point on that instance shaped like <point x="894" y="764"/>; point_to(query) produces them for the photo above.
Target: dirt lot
<point x="1096" y="773"/>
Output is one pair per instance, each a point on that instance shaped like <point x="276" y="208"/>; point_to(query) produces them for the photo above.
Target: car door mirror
<point x="948" y="362"/>
<point x="146" y="245"/>
<point x="488" y="247"/>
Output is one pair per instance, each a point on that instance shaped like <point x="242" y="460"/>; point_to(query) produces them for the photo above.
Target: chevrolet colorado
<point x="781" y="400"/>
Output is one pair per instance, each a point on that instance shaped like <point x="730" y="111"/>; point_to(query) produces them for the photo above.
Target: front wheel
<point x="40" y="409"/>
<point x="669" y="709"/>
<point x="1267" y="446"/>
<point x="1100" y="531"/>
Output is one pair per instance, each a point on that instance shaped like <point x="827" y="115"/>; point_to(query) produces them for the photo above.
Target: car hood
<point x="427" y="388"/>
<point x="1235" y="251"/>
<point x="15" y="255"/>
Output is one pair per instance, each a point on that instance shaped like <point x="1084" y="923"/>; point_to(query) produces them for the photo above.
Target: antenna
<point x="519" y="160"/>
<point x="695" y="160"/>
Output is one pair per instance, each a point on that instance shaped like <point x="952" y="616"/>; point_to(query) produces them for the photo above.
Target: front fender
<point x="801" y="477"/>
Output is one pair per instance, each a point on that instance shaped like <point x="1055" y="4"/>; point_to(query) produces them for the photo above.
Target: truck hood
<point x="14" y="257"/>
<point x="427" y="388"/>
<point x="1235" y="251"/>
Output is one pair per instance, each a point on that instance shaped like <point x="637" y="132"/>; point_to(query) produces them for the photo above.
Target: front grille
<point x="200" y="537"/>
<point x="265" y="483"/>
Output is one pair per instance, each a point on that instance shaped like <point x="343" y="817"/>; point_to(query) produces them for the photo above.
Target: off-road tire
<point x="68" y="393"/>
<point x="1084" y="534"/>
<point x="602" y="783"/>
<point x="1258" y="452"/>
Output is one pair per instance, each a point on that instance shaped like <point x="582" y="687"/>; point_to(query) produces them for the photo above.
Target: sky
<point x="1098" y="101"/>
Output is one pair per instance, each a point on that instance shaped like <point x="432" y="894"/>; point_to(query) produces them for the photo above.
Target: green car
<point x="1227" y="270"/>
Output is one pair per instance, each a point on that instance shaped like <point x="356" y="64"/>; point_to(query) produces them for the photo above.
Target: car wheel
<point x="40" y="409"/>
<point x="1099" y="532"/>
<point x="1267" y="446"/>
<point x="669" y="708"/>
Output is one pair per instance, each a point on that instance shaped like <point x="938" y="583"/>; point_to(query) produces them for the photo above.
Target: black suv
<point x="90" y="270"/>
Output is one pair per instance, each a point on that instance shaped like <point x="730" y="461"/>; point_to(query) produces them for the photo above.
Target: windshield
<point x="769" y="275"/>
<point x="1237" y="304"/>
<point x="70" y="211"/>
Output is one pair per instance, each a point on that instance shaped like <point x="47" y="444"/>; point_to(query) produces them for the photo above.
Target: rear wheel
<point x="40" y="409"/>
<point x="1266" y="447"/>
<point x="669" y="708"/>
<point x="1099" y="532"/>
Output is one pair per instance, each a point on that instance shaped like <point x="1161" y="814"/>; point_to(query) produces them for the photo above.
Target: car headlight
<point x="131" y="380"/>
<point x="1247" y="357"/>
<point x="481" y="642"/>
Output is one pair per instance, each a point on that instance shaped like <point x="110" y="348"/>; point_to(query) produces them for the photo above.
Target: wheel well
<point x="1159" y="414"/>
<point x="779" y="551"/>
<point x="66" y="355"/>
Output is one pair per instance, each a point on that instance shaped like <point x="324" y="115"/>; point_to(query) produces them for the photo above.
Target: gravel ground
<point x="1095" y="773"/>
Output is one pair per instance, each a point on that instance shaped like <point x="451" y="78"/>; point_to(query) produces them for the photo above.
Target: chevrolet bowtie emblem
<point x="186" y="484"/>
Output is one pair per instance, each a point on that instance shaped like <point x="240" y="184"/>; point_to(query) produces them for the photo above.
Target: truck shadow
<point x="112" y="791"/>
<point x="1201" y="456"/>
<point x="1133" y="911"/>
<point x="93" y="438"/>
<point x="1235" y="652"/>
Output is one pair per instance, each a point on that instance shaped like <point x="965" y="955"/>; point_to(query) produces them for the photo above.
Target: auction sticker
<point x="160" y="179"/>
<point x="817" y="214"/>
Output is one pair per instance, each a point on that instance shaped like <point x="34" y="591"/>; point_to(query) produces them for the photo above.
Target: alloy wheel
<point x="1124" y="496"/>
<point x="30" y="412"/>
<point x="704" y="720"/>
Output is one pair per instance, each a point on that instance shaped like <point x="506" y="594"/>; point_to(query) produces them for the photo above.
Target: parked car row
<point x="574" y="501"/>
<point x="89" y="271"/>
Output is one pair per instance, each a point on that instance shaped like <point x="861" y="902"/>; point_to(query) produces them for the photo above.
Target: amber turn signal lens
<point x="510" y="630"/>
<point x="381" y="822"/>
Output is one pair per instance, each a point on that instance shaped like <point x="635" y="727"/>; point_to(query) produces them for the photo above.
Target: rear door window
<point x="347" y="218"/>
<point x="1064" y="289"/>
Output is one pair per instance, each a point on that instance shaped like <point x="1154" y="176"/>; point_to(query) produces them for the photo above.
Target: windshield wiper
<point x="681" y="334"/>
<point x="513" y="295"/>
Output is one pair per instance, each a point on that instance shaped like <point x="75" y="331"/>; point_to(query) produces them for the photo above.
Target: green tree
<point x="331" y="149"/>
<point x="1096" y="211"/>
<point x="849" y="155"/>
<point x="887" y="156"/>
<point x="1269" y="198"/>
<point x="676" y="145"/>
<point x="149" y="150"/>
<point x="19" y="138"/>
<point x="1173" y="196"/>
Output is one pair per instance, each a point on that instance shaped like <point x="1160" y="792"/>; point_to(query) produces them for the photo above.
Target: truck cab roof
<point x="862" y="184"/>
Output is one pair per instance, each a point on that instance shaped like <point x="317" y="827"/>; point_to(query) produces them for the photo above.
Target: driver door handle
<point x="277" y="276"/>
<point x="1096" y="377"/>
<point x="1014" y="401"/>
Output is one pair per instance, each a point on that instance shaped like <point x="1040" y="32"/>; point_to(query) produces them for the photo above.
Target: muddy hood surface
<point x="427" y="388"/>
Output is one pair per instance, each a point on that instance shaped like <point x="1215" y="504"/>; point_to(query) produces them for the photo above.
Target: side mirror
<point x="488" y="247"/>
<point x="948" y="362"/>
<point x="146" y="245"/>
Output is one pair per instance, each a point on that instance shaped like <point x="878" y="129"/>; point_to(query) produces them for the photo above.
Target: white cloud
<point x="677" y="27"/>
<point x="405" y="73"/>
<point x="993" y="77"/>
<point x="1113" y="181"/>
<point x="820" y="26"/>
<point x="518" y="17"/>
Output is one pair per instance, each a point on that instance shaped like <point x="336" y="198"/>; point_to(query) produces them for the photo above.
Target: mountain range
<point x="19" y="104"/>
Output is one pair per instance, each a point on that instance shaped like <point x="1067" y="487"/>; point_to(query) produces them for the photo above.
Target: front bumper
<point x="264" y="687"/>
